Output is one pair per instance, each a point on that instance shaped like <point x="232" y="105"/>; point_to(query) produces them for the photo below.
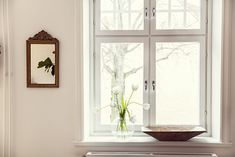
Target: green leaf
<point x="47" y="63"/>
<point x="53" y="70"/>
<point x="123" y="103"/>
<point x="129" y="114"/>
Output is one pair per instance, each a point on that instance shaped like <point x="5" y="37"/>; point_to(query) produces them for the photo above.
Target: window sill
<point x="149" y="141"/>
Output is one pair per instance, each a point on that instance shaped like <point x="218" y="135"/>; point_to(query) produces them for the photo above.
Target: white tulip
<point x="116" y="89"/>
<point x="135" y="87"/>
<point x="133" y="119"/>
<point x="146" y="106"/>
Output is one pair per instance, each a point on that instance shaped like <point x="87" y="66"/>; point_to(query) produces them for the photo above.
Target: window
<point x="161" y="45"/>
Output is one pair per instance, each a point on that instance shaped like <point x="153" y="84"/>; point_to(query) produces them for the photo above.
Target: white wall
<point x="1" y="90"/>
<point x="43" y="119"/>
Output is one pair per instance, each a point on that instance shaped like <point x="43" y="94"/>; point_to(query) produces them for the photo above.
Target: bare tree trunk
<point x="118" y="78"/>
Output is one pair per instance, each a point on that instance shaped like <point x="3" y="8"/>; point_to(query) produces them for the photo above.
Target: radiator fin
<point x="146" y="154"/>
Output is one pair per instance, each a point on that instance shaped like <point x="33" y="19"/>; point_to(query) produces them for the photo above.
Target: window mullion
<point x="152" y="77"/>
<point x="146" y="83"/>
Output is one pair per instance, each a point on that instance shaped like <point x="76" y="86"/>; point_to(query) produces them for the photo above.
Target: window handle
<point x="146" y="12"/>
<point x="153" y="12"/>
<point x="145" y="85"/>
<point x="153" y="85"/>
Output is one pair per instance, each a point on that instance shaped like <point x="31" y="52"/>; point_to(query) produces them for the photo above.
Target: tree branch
<point x="132" y="49"/>
<point x="135" y="70"/>
<point x="106" y="67"/>
<point x="171" y="52"/>
<point x="136" y="20"/>
<point x="105" y="26"/>
<point x="120" y="25"/>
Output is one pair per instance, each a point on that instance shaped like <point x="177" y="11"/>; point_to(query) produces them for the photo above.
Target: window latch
<point x="153" y="85"/>
<point x="145" y="85"/>
<point x="146" y="12"/>
<point x="153" y="12"/>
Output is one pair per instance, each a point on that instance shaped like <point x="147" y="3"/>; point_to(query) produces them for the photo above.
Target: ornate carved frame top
<point x="42" y="35"/>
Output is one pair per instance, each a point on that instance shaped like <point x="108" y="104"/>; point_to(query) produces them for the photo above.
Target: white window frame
<point x="203" y="76"/>
<point x="152" y="34"/>
<point x="98" y="31"/>
<point x="96" y="127"/>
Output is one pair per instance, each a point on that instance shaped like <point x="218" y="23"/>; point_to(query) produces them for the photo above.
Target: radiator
<point x="146" y="154"/>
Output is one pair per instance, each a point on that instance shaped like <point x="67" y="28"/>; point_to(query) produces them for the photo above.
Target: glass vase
<point x="123" y="128"/>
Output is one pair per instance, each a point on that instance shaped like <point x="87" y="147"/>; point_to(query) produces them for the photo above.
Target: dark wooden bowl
<point x="173" y="133"/>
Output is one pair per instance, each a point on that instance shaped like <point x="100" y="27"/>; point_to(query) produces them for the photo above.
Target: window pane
<point x="121" y="65"/>
<point x="122" y="14"/>
<point x="178" y="14"/>
<point x="192" y="18"/>
<point x="162" y="4"/>
<point x="177" y="4"/>
<point x="178" y="83"/>
<point x="177" y="20"/>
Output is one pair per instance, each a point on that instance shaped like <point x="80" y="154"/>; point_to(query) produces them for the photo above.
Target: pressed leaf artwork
<point x="49" y="66"/>
<point x="42" y="61"/>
